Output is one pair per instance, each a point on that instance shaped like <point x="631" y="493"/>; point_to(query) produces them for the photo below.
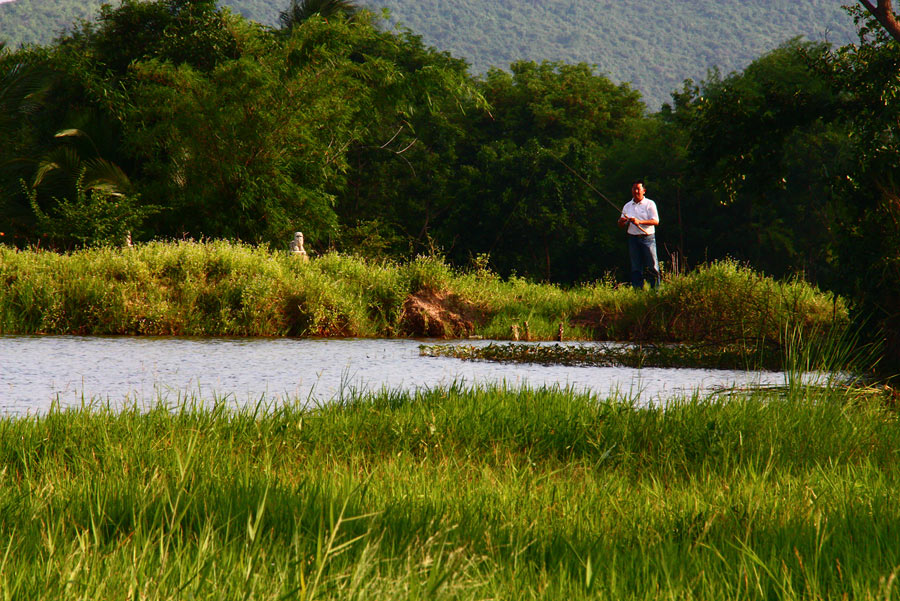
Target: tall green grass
<point x="455" y="494"/>
<point x="221" y="288"/>
<point x="212" y="288"/>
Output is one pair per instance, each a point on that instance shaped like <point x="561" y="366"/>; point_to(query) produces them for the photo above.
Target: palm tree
<point x="24" y="82"/>
<point x="91" y="201"/>
<point x="301" y="10"/>
<point x="22" y="87"/>
<point x="69" y="169"/>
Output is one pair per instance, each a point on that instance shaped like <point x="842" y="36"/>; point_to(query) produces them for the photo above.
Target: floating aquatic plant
<point x="732" y="356"/>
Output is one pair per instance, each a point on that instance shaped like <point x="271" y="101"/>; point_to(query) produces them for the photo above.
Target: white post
<point x="297" y="247"/>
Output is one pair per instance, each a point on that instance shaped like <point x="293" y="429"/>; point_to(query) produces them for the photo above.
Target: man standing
<point x="641" y="217"/>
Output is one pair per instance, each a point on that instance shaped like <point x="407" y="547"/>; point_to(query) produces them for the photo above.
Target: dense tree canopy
<point x="765" y="154"/>
<point x="520" y="195"/>
<point x="231" y="129"/>
<point x="651" y="43"/>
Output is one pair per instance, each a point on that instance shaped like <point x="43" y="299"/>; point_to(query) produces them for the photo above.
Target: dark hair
<point x="638" y="181"/>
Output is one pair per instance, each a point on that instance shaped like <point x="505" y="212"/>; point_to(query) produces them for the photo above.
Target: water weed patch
<point x="732" y="356"/>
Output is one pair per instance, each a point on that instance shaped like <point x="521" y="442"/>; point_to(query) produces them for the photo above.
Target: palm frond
<point x="301" y="10"/>
<point x="76" y="133"/>
<point x="22" y="89"/>
<point x="68" y="133"/>
<point x="100" y="174"/>
<point x="59" y="168"/>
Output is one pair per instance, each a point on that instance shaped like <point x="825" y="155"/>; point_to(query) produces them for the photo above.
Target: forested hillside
<point x="38" y="21"/>
<point x="653" y="44"/>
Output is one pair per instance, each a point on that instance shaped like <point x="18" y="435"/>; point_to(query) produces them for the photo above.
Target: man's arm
<point x="653" y="220"/>
<point x="624" y="218"/>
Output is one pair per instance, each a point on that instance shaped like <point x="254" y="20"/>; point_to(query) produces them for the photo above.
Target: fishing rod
<point x="589" y="185"/>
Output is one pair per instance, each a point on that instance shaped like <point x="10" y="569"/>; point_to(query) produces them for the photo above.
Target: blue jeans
<point x="642" y="250"/>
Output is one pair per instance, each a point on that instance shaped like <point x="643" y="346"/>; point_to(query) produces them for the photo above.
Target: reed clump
<point x="222" y="288"/>
<point x="454" y="493"/>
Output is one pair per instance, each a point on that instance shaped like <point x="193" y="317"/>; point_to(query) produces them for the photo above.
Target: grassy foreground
<point x="222" y="288"/>
<point x="456" y="494"/>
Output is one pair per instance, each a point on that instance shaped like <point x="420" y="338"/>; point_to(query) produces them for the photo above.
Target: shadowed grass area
<point x="222" y="288"/>
<point x="455" y="493"/>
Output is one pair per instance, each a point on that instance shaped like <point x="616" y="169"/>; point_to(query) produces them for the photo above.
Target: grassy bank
<point x="456" y="494"/>
<point x="220" y="288"/>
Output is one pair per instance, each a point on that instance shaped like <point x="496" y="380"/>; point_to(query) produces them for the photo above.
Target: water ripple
<point x="36" y="370"/>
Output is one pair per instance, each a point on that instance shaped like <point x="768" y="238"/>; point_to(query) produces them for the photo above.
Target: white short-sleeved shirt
<point x="645" y="210"/>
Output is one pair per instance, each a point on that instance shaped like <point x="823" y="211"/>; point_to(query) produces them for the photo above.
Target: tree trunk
<point x="884" y="12"/>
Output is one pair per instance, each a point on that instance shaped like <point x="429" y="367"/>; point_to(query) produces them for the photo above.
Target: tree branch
<point x="884" y="12"/>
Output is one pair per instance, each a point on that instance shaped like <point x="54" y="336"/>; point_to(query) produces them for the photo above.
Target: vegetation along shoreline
<point x="231" y="289"/>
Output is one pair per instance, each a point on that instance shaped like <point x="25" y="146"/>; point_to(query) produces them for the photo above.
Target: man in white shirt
<point x="641" y="217"/>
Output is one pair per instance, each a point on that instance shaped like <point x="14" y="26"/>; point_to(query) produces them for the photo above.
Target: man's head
<point x="637" y="190"/>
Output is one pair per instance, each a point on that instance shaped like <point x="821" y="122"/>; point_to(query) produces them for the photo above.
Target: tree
<point x="245" y="151"/>
<point x="67" y="164"/>
<point x="884" y="12"/>
<point x="404" y="163"/>
<point x="86" y="201"/>
<point x="24" y="83"/>
<point x="239" y="131"/>
<point x="752" y="140"/>
<point x="264" y="145"/>
<point x="866" y="236"/>
<point x="192" y="32"/>
<point x="301" y="10"/>
<point x="516" y="197"/>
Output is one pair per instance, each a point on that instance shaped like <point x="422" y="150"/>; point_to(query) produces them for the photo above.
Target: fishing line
<point x="589" y="185"/>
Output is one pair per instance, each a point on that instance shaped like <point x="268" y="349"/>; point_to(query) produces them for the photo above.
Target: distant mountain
<point x="39" y="21"/>
<point x="654" y="44"/>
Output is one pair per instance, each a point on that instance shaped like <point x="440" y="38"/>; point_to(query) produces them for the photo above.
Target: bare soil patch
<point x="432" y="314"/>
<point x="594" y="319"/>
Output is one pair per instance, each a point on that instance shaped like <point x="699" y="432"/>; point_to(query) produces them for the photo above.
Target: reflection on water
<point x="35" y="370"/>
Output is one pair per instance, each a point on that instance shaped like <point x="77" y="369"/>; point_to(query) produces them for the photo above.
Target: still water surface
<point x="36" y="370"/>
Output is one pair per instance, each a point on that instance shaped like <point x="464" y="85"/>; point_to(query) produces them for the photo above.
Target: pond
<point x="35" y="371"/>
